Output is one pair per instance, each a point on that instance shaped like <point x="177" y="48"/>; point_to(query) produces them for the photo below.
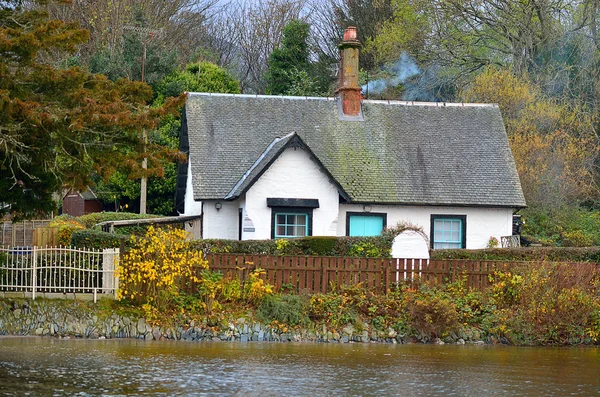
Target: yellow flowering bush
<point x="255" y="288"/>
<point x="506" y="288"/>
<point x="158" y="267"/>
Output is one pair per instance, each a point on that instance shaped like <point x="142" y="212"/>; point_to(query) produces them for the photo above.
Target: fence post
<point x="108" y="270"/>
<point x="116" y="259"/>
<point x="13" y="232"/>
<point x="324" y="280"/>
<point x="34" y="272"/>
<point x="387" y="275"/>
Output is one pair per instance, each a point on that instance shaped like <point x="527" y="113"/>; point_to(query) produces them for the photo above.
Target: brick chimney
<point x="349" y="91"/>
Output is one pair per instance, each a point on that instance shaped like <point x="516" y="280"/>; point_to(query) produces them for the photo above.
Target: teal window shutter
<point x="365" y="225"/>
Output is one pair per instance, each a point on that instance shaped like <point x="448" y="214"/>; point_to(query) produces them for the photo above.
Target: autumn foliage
<point x="554" y="145"/>
<point x="158" y="268"/>
<point x="62" y="124"/>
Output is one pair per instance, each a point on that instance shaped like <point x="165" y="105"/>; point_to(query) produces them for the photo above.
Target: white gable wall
<point x="482" y="223"/>
<point x="292" y="175"/>
<point x="191" y="207"/>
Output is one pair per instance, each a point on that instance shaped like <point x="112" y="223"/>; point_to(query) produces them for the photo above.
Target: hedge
<point x="89" y="220"/>
<point x="553" y="254"/>
<point x="379" y="246"/>
<point x="97" y="239"/>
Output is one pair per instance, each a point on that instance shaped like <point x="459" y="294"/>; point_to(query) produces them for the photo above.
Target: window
<point x="291" y="217"/>
<point x="291" y="224"/>
<point x="365" y="224"/>
<point x="448" y="231"/>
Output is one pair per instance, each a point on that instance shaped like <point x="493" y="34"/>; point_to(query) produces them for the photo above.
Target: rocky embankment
<point x="76" y="319"/>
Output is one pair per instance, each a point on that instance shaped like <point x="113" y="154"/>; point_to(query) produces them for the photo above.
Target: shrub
<point x="66" y="226"/>
<point x="576" y="238"/>
<point x="556" y="304"/>
<point x="210" y="284"/>
<point x="493" y="242"/>
<point x="231" y="290"/>
<point x="431" y="314"/>
<point x="506" y="288"/>
<point x="286" y="309"/>
<point x="553" y="254"/>
<point x="335" y="308"/>
<point x="255" y="288"/>
<point x="92" y="219"/>
<point x="317" y="245"/>
<point x="567" y="226"/>
<point x="97" y="239"/>
<point x="158" y="266"/>
<point x="368" y="249"/>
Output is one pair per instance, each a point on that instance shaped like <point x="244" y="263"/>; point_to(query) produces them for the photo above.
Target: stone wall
<point x="79" y="319"/>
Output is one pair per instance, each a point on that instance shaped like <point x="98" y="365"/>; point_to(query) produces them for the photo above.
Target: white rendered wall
<point x="222" y="223"/>
<point x="482" y="223"/>
<point x="292" y="175"/>
<point x="190" y="207"/>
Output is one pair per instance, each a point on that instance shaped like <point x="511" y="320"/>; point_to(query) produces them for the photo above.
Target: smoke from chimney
<point x="401" y="70"/>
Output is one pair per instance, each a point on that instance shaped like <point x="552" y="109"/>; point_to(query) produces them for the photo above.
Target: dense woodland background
<point x="73" y="107"/>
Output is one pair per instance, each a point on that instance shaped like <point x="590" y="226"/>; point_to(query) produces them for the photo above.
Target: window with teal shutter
<point x="362" y="224"/>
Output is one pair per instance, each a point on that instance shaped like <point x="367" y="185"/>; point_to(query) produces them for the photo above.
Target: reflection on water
<point x="36" y="366"/>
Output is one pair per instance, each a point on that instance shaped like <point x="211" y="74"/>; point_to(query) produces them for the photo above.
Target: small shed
<point x="77" y="203"/>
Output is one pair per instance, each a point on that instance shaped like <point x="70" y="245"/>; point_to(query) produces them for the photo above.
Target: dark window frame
<point x="374" y="214"/>
<point x="463" y="219"/>
<point x="293" y="210"/>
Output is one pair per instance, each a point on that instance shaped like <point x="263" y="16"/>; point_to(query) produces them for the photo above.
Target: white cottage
<point x="263" y="167"/>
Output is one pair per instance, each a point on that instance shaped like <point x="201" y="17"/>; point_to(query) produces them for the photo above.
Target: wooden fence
<point x="45" y="236"/>
<point x="322" y="274"/>
<point x="20" y="233"/>
<point x="307" y="273"/>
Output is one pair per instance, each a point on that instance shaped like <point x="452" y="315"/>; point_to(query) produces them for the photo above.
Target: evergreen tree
<point x="289" y="65"/>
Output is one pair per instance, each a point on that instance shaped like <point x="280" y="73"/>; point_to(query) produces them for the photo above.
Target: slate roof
<point x="399" y="153"/>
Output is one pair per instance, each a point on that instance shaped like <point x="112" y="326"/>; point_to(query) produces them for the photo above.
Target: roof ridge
<point x="382" y="101"/>
<point x="209" y="94"/>
<point x="436" y="104"/>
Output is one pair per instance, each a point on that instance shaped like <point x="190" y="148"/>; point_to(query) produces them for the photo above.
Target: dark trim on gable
<point x="295" y="142"/>
<point x="378" y="214"/>
<point x="182" y="166"/>
<point x="446" y="216"/>
<point x="292" y="202"/>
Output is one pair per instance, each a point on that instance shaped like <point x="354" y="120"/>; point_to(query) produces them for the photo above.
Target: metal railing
<point x="58" y="270"/>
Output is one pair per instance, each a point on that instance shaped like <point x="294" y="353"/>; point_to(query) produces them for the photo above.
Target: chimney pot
<point x="350" y="33"/>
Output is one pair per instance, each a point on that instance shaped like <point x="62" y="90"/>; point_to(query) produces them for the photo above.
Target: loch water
<point x="31" y="366"/>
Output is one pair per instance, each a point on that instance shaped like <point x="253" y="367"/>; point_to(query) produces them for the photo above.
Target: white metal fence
<point x="49" y="271"/>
